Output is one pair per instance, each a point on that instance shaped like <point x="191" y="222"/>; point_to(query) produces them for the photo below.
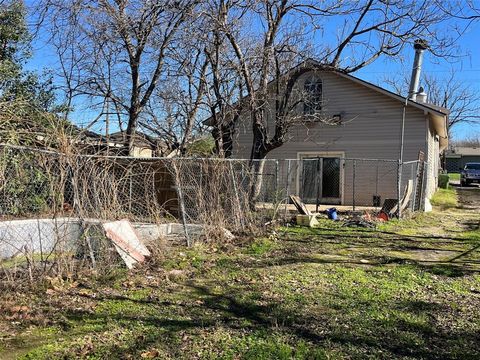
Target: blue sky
<point x="467" y="68"/>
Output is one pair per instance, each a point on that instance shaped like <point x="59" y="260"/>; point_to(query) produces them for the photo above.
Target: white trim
<point x="323" y="154"/>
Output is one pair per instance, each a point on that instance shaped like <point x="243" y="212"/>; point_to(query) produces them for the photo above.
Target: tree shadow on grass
<point x="358" y="232"/>
<point x="457" y="268"/>
<point x="350" y="329"/>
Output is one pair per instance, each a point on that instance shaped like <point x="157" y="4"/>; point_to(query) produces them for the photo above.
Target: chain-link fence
<point x="350" y="185"/>
<point x="46" y="197"/>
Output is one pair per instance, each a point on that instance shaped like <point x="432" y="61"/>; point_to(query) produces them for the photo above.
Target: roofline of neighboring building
<point x="459" y="151"/>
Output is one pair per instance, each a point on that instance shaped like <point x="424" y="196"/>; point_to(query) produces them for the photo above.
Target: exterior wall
<point x="433" y="158"/>
<point x="142" y="152"/>
<point x="371" y="128"/>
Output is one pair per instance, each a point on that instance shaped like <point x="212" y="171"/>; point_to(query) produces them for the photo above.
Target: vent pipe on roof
<point x="421" y="95"/>
<point x="420" y="46"/>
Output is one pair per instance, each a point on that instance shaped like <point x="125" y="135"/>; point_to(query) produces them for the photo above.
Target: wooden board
<point x="302" y="209"/>
<point x="126" y="242"/>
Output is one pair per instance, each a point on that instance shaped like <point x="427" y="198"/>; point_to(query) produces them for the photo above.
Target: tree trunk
<point x="257" y="156"/>
<point x="131" y="131"/>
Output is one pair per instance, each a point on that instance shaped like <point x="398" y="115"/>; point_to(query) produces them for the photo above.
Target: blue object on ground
<point x="332" y="214"/>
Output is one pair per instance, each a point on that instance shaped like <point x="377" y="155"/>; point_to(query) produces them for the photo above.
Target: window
<point x="313" y="96"/>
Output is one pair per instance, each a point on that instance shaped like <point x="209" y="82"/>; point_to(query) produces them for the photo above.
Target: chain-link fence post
<point x="353" y="184"/>
<point x="235" y="189"/>
<point x="378" y="202"/>
<point x="277" y="180"/>
<point x="317" y="186"/>
<point x="287" y="185"/>
<point x="413" y="175"/>
<point x="399" y="184"/>
<point x="181" y="204"/>
<point x="130" y="190"/>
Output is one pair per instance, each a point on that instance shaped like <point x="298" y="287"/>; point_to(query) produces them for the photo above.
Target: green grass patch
<point x="261" y="246"/>
<point x="445" y="199"/>
<point x="454" y="176"/>
<point x="331" y="292"/>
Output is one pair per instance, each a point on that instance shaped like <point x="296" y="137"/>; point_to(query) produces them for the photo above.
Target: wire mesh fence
<point x="353" y="185"/>
<point x="47" y="198"/>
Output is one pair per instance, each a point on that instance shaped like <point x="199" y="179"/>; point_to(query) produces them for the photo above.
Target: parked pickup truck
<point x="470" y="174"/>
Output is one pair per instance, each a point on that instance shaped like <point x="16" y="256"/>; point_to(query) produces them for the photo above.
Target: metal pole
<point x="235" y="189"/>
<point x="353" y="185"/>
<point x="130" y="191"/>
<point x="287" y="188"/>
<point x="276" y="181"/>
<point x="399" y="184"/>
<point x="317" y="184"/>
<point x="377" y="203"/>
<point x="182" y="210"/>
<point x="414" y="179"/>
<point x="302" y="179"/>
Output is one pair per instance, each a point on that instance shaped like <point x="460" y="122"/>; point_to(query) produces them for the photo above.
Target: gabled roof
<point x="438" y="114"/>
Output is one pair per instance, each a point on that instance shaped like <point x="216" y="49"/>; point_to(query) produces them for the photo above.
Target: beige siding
<point x="433" y="158"/>
<point x="372" y="126"/>
<point x="371" y="129"/>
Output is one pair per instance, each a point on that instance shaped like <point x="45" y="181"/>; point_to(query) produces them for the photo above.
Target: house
<point x="364" y="121"/>
<point x="457" y="156"/>
<point x="144" y="145"/>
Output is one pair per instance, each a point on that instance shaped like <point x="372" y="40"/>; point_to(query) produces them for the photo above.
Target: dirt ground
<point x="469" y="197"/>
<point x="408" y="290"/>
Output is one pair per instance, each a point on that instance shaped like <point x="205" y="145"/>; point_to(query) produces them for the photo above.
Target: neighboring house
<point x="144" y="146"/>
<point x="366" y="123"/>
<point x="457" y="156"/>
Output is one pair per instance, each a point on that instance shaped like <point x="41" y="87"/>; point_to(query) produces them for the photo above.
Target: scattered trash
<point x="332" y="214"/>
<point x="389" y="207"/>
<point x="126" y="242"/>
<point x="305" y="218"/>
<point x="360" y="223"/>
<point x="382" y="216"/>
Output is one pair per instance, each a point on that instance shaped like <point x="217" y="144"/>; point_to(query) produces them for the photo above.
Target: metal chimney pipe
<point x="420" y="46"/>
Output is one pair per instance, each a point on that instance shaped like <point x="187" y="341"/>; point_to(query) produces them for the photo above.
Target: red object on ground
<point x="382" y="216"/>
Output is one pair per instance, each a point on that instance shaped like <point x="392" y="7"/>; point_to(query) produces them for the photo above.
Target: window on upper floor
<point x="312" y="103"/>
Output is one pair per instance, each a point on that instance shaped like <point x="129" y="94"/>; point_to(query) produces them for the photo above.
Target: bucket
<point x="332" y="214"/>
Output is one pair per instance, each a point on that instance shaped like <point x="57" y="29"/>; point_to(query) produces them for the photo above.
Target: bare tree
<point x="448" y="92"/>
<point x="124" y="48"/>
<point x="471" y="141"/>
<point x="173" y="109"/>
<point x="270" y="37"/>
<point x="460" y="99"/>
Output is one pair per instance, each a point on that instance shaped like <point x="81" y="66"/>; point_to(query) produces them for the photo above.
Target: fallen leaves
<point x="150" y="354"/>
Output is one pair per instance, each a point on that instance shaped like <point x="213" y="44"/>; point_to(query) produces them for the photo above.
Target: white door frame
<point x="322" y="154"/>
